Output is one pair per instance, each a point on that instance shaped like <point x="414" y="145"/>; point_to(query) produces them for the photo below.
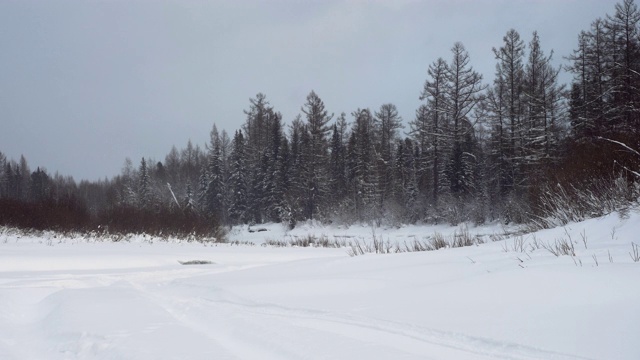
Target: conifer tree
<point x="337" y="170"/>
<point x="505" y="111"/>
<point x="591" y="88"/>
<point x="405" y="184"/>
<point x="144" y="186"/>
<point x="361" y="167"/>
<point x="273" y="188"/>
<point x="297" y="169"/>
<point x="317" y="180"/>
<point x="283" y="211"/>
<point x="238" y="180"/>
<point x="431" y="132"/>
<point x="23" y="178"/>
<point x="214" y="199"/>
<point x="624" y="49"/>
<point x="541" y="132"/>
<point x="189" y="204"/>
<point x="387" y="121"/>
<point x="464" y="92"/>
<point x="4" y="176"/>
<point x="40" y="185"/>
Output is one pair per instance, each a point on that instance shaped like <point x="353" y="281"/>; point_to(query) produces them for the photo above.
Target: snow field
<point x="510" y="299"/>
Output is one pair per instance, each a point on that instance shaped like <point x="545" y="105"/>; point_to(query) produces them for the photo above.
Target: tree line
<point x="474" y="151"/>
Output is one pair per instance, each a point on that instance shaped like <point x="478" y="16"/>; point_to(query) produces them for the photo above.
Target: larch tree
<point x="505" y="107"/>
<point x="542" y="130"/>
<point x="464" y="92"/>
<point x="502" y="111"/>
<point x="387" y="122"/>
<point x="624" y="38"/>
<point x="431" y="132"/>
<point x="591" y="87"/>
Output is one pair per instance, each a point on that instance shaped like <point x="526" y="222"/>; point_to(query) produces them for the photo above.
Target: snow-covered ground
<point x="509" y="299"/>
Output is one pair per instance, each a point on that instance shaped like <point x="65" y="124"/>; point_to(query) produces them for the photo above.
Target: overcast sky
<point x="85" y="84"/>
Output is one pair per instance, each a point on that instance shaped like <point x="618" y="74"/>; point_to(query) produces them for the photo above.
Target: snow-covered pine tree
<point x="144" y="186"/>
<point x="214" y="198"/>
<point x="201" y="196"/>
<point x="40" y="185"/>
<point x="189" y="204"/>
<point x="238" y="181"/>
<point x="10" y="181"/>
<point x="361" y="167"/>
<point x="337" y="167"/>
<point x="23" y="178"/>
<point x="274" y="179"/>
<point x="225" y="154"/>
<point x="257" y="130"/>
<point x="282" y="183"/>
<point x="297" y="169"/>
<point x="4" y="180"/>
<point x="317" y="180"/>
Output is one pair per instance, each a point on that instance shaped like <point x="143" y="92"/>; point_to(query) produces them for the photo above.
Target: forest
<point x="521" y="148"/>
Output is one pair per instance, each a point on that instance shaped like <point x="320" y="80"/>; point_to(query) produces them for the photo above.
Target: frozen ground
<point x="510" y="299"/>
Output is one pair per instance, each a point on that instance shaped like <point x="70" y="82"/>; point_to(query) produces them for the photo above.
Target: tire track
<point x="275" y="330"/>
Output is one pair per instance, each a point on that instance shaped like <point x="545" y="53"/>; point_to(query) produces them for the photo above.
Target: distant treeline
<point x="509" y="150"/>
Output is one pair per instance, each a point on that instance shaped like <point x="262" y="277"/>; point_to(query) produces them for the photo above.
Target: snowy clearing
<point x="509" y="299"/>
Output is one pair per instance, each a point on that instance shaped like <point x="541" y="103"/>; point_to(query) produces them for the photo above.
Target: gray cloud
<point x="84" y="84"/>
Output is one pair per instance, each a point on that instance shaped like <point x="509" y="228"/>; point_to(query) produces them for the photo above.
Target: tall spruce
<point x="273" y="179"/>
<point x="361" y="161"/>
<point x="317" y="119"/>
<point x="214" y="198"/>
<point x="144" y="185"/>
<point x="297" y="170"/>
<point x="337" y="165"/>
<point x="238" y="181"/>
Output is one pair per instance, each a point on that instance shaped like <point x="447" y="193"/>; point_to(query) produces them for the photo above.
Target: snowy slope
<point x="74" y="299"/>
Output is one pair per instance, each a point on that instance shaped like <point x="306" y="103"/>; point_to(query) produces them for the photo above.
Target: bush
<point x="71" y="215"/>
<point x="159" y="222"/>
<point x="67" y="214"/>
<point x="558" y="205"/>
